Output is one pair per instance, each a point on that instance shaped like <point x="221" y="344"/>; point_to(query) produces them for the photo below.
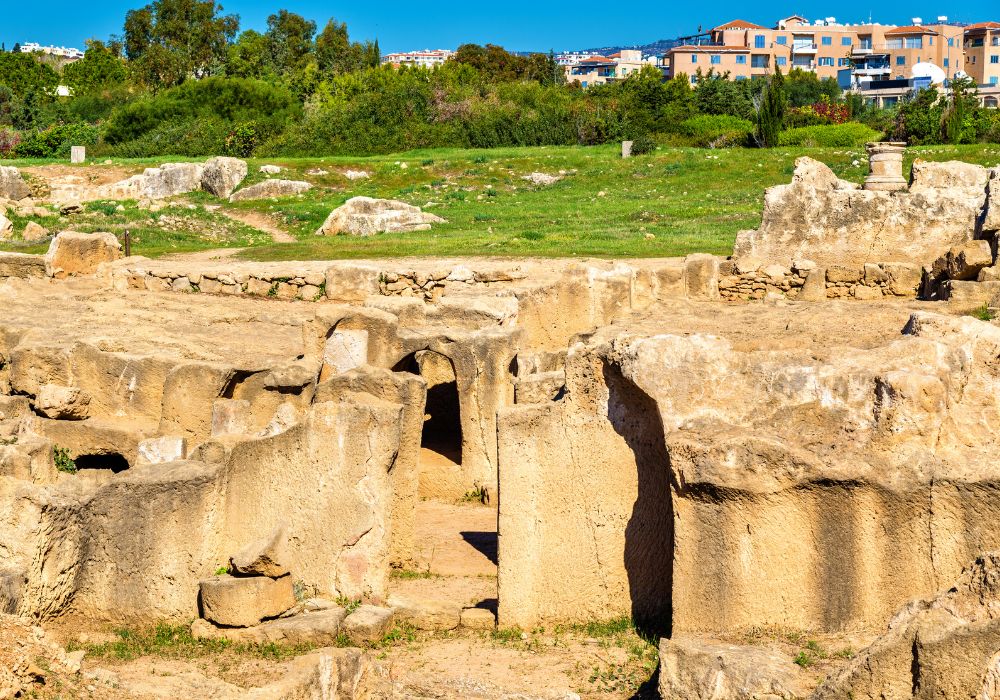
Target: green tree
<point x="333" y="48"/>
<point x="22" y="73"/>
<point x="250" y="56"/>
<point x="168" y="41"/>
<point x="959" y="113"/>
<point x="290" y="38"/>
<point x="771" y="114"/>
<point x="98" y="70"/>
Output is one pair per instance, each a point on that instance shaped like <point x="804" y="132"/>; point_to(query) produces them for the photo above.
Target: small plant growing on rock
<point x="983" y="313"/>
<point x="62" y="460"/>
<point x="222" y="571"/>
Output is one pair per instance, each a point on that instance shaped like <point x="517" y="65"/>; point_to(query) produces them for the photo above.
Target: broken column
<point x="885" y="166"/>
<point x="78" y="154"/>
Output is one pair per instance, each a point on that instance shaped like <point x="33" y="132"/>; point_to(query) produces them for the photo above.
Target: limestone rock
<point x="819" y="217"/>
<point x="321" y="627"/>
<point x="160" y="450"/>
<point x="244" y="602"/>
<point x="21" y="265"/>
<point x="814" y="288"/>
<point x="12" y="185"/>
<point x="365" y="216"/>
<point x="34" y="232"/>
<point x="62" y="402"/>
<point x="478" y="619"/>
<point x="6" y="228"/>
<point x="368" y="623"/>
<point x="263" y="557"/>
<point x="271" y="189"/>
<point x="356" y="174"/>
<point x="426" y="613"/>
<point x="346" y="350"/>
<point x="541" y="178"/>
<point x="270" y="169"/>
<point x="75" y="253"/>
<point x="949" y="644"/>
<point x="221" y="175"/>
<point x="168" y="180"/>
<point x="964" y="262"/>
<point x="991" y="215"/>
<point x="701" y="275"/>
<point x="692" y="669"/>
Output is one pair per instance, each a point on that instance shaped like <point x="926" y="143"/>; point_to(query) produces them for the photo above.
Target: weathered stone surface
<point x="478" y="619"/>
<point x="263" y="557"/>
<point x="168" y="180"/>
<point x="368" y="623"/>
<point x="72" y="253"/>
<point x="964" y="262"/>
<point x="245" y="601"/>
<point x="345" y="350"/>
<point x="221" y="175"/>
<point x="62" y="402"/>
<point x="542" y="179"/>
<point x="832" y="222"/>
<point x="694" y="669"/>
<point x="12" y="185"/>
<point x="269" y="169"/>
<point x="319" y="627"/>
<point x="365" y="216"/>
<point x="991" y="216"/>
<point x="814" y="288"/>
<point x="6" y="227"/>
<point x="34" y="232"/>
<point x="270" y="189"/>
<point x="701" y="276"/>
<point x="949" y="644"/>
<point x="426" y="613"/>
<point x="161" y="450"/>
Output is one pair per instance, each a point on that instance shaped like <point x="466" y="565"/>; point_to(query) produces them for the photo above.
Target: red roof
<point x="596" y="59"/>
<point x="738" y="24"/>
<point x="982" y="25"/>
<point x="910" y="30"/>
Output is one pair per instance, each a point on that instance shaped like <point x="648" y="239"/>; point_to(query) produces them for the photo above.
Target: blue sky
<point x="515" y="24"/>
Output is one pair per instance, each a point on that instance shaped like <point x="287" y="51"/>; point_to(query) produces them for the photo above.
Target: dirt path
<point x="261" y="222"/>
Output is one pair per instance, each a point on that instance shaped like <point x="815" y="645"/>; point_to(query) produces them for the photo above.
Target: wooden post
<point x="128" y="244"/>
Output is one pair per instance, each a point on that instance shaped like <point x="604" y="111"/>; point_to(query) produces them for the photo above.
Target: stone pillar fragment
<point x="885" y="166"/>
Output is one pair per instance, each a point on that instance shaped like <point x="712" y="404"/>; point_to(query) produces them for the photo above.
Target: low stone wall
<point x="805" y="281"/>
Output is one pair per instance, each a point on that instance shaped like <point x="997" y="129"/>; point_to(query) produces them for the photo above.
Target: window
<point x="826" y="60"/>
<point x="694" y="58"/>
<point x="781" y="60"/>
<point x="584" y="83"/>
<point x="946" y="63"/>
<point x="951" y="41"/>
<point x="930" y="41"/>
<point x="758" y="41"/>
<point x="758" y="60"/>
<point x="977" y="43"/>
<point x="741" y="77"/>
<point x="900" y="60"/>
<point x="694" y="79"/>
<point x="782" y="40"/>
<point x="994" y="59"/>
<point x="994" y="80"/>
<point x="893" y="43"/>
<point x="843" y="62"/>
<point x="741" y="60"/>
<point x="827" y="41"/>
<point x="845" y="41"/>
<point x="716" y="59"/>
<point x="914" y="42"/>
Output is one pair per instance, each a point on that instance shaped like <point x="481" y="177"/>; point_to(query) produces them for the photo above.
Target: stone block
<point x="21" y="265"/>
<point x="78" y="154"/>
<point x="230" y="417"/>
<point x="263" y="557"/>
<point x="73" y="253"/>
<point x="161" y="450"/>
<point x="319" y="628"/>
<point x="426" y="613"/>
<point x="701" y="276"/>
<point x="244" y="602"/>
<point x="368" y="623"/>
<point x="62" y="402"/>
<point x="814" y="288"/>
<point x="346" y="350"/>
<point x="478" y="619"/>
<point x="865" y="293"/>
<point x="839" y="273"/>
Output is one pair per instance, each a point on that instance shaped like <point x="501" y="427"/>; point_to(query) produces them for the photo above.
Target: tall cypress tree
<point x="771" y="115"/>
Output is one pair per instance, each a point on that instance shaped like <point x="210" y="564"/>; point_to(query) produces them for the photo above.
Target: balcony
<point x="873" y="70"/>
<point x="804" y="47"/>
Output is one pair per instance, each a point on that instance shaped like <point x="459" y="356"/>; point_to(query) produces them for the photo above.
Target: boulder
<point x="72" y="253"/>
<point x="6" y="228"/>
<point x="426" y="613"/>
<point x="356" y="174"/>
<point x="947" y="645"/>
<point x="368" y="623"/>
<point x="245" y="602"/>
<point x="221" y="176"/>
<point x="21" y="265"/>
<point x="701" y="275"/>
<point x="271" y="189"/>
<point x="12" y="185"/>
<point x="168" y="180"/>
<point x="541" y="178"/>
<point x="34" y="232"/>
<point x="964" y="262"/>
<point x="832" y="222"/>
<point x="365" y="216"/>
<point x="270" y="169"/>
<point x="263" y="557"/>
<point x="62" y="402"/>
<point x="692" y="669"/>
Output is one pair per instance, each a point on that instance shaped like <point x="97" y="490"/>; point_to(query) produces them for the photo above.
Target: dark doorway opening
<point x="442" y="431"/>
<point x="649" y="534"/>
<point x="113" y="462"/>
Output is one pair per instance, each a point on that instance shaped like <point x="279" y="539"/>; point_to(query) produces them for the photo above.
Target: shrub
<point x="643" y="144"/>
<point x="55" y="141"/>
<point x="850" y="134"/>
<point x="242" y="141"/>
<point x="9" y="140"/>
<point x="717" y="130"/>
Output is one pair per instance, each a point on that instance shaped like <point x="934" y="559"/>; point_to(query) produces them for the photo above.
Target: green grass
<point x="176" y="642"/>
<point x="983" y="313"/>
<point x="673" y="202"/>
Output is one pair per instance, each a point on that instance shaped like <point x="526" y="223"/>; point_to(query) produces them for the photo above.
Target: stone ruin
<point x="655" y="445"/>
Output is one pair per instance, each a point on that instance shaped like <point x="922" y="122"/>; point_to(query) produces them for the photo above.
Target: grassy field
<point x="673" y="202"/>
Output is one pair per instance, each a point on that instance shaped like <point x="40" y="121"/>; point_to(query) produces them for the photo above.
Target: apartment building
<point x="68" y="53"/>
<point x="982" y="52"/>
<point x="854" y="54"/>
<point x="426" y="59"/>
<point x="598" y="70"/>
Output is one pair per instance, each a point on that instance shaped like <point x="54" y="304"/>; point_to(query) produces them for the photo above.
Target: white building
<point x="427" y="58"/>
<point x="69" y="53"/>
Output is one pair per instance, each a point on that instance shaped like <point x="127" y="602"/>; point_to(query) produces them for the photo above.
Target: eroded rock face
<point x="365" y="216"/>
<point x="943" y="647"/>
<point x="168" y="180"/>
<point x="12" y="185"/>
<point x="72" y="253"/>
<point x="830" y="221"/>
<point x="271" y="189"/>
<point x="221" y="176"/>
